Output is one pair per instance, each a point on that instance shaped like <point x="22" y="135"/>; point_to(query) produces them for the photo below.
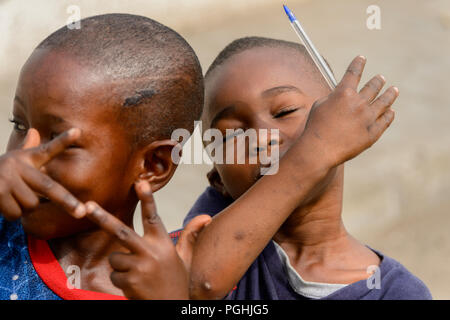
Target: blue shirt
<point x="18" y="278"/>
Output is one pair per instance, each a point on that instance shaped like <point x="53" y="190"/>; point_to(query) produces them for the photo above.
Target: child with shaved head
<point x="93" y="114"/>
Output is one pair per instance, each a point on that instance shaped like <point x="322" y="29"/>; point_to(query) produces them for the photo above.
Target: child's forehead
<point x="244" y="77"/>
<point x="262" y="66"/>
<point x="258" y="69"/>
<point x="266" y="58"/>
<point x="60" y="78"/>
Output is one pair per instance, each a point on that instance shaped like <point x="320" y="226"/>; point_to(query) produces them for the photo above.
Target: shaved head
<point x="248" y="43"/>
<point x="159" y="76"/>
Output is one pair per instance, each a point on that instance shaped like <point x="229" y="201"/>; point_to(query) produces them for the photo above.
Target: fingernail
<point x="144" y="186"/>
<point x="382" y="77"/>
<point x="73" y="132"/>
<point x="363" y="57"/>
<point x="80" y="211"/>
<point x="90" y="207"/>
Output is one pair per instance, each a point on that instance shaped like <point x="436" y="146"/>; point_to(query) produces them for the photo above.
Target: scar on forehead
<point x="139" y="97"/>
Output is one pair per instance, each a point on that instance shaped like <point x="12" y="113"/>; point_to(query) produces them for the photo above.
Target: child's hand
<point x="347" y="122"/>
<point x="21" y="179"/>
<point x="154" y="268"/>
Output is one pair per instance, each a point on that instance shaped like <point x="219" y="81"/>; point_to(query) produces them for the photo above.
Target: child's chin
<point x="48" y="224"/>
<point x="38" y="231"/>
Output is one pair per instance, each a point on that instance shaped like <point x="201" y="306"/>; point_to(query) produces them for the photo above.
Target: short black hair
<point x="160" y="71"/>
<point x="247" y="43"/>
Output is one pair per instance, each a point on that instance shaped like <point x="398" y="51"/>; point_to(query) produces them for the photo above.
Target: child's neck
<point x="318" y="245"/>
<point x="89" y="251"/>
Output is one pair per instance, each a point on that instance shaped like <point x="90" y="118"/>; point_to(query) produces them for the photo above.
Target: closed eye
<point x="285" y="112"/>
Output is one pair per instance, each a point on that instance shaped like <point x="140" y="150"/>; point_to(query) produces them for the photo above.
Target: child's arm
<point x="339" y="127"/>
<point x="21" y="179"/>
<point x="154" y="268"/>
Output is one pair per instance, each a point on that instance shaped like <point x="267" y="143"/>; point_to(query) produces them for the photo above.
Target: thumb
<point x="188" y="238"/>
<point x="32" y="139"/>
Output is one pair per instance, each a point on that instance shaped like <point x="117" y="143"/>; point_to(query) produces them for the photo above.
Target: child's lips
<point x="267" y="168"/>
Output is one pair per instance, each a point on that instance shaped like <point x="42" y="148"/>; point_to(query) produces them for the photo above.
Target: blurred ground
<point x="397" y="193"/>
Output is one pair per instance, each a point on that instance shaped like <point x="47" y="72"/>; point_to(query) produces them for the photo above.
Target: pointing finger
<point x="151" y="222"/>
<point x="32" y="139"/>
<point x="127" y="237"/>
<point x="24" y="195"/>
<point x="46" y="186"/>
<point x="45" y="152"/>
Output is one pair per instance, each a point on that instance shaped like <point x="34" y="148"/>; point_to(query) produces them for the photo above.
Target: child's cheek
<point x="91" y="179"/>
<point x="76" y="176"/>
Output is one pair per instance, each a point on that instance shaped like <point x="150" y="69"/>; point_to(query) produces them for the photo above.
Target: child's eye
<point x="235" y="133"/>
<point x="18" y="126"/>
<point x="285" y="111"/>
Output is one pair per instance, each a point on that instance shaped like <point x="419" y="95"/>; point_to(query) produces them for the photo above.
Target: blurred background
<point x="397" y="194"/>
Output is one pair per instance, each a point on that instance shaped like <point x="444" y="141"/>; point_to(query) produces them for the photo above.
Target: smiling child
<point x="262" y="83"/>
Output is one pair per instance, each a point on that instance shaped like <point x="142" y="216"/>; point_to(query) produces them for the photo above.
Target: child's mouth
<point x="266" y="169"/>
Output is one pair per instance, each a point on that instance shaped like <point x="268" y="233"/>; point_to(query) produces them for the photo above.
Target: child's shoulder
<point x="398" y="283"/>
<point x="209" y="202"/>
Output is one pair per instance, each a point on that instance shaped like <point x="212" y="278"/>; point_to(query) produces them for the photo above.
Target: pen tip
<point x="289" y="13"/>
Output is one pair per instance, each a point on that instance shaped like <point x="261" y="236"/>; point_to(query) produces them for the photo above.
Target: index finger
<point x="151" y="222"/>
<point x="46" y="186"/>
<point x="126" y="236"/>
<point x="45" y="152"/>
<point x="353" y="73"/>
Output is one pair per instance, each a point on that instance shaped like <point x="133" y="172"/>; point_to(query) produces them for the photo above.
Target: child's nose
<point x="273" y="142"/>
<point x="267" y="140"/>
<point x="269" y="133"/>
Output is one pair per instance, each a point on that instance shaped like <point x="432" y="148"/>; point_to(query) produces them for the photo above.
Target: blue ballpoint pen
<point x="315" y="55"/>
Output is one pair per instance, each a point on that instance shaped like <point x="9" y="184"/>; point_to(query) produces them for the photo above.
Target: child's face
<point x="260" y="88"/>
<point x="56" y="93"/>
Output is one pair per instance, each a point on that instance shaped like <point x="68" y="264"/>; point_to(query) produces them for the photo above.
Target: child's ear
<point x="157" y="166"/>
<point x="216" y="182"/>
